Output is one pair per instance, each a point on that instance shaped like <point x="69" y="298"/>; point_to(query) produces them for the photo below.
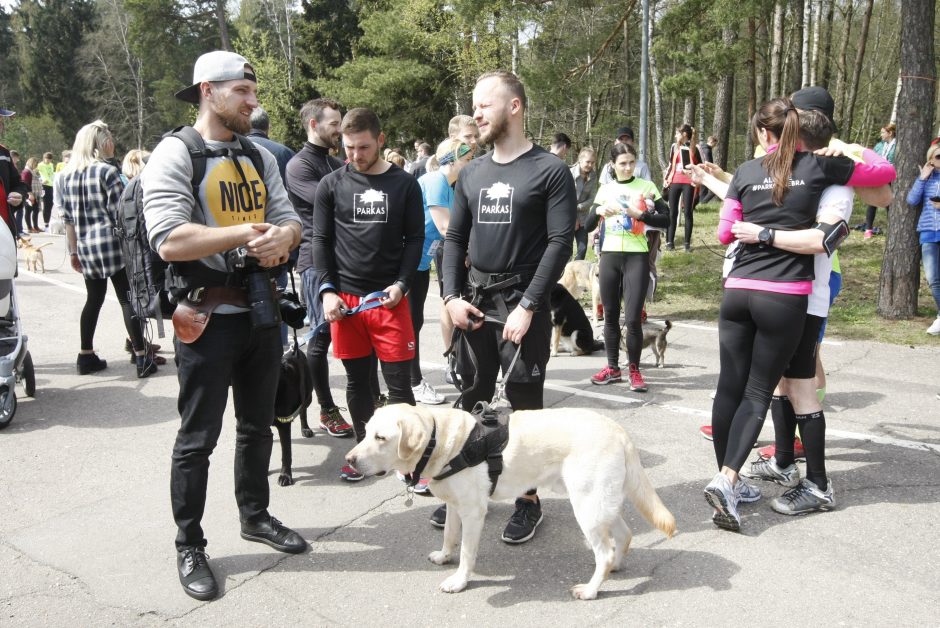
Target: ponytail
<point x="780" y="117"/>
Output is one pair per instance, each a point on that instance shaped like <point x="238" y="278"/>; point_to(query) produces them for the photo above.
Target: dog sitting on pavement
<point x="654" y="337"/>
<point x="579" y="277"/>
<point x="571" y="326"/>
<point x="33" y="254"/>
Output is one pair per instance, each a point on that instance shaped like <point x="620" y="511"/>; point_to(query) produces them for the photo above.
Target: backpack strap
<point x="197" y="153"/>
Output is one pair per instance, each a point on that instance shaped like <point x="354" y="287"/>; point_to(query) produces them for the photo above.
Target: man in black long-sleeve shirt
<point x="514" y="208"/>
<point x="368" y="232"/>
<point x="321" y="119"/>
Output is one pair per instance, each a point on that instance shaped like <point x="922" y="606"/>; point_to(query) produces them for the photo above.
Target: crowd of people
<point x="498" y="228"/>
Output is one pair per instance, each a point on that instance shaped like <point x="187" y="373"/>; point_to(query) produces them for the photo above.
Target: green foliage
<point x="326" y="33"/>
<point x="34" y="135"/>
<point x="274" y="91"/>
<point x="50" y="33"/>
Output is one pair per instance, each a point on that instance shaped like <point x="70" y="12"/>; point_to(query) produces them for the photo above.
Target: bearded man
<point x="194" y="225"/>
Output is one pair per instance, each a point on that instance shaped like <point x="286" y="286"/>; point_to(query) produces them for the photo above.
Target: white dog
<point x="571" y="449"/>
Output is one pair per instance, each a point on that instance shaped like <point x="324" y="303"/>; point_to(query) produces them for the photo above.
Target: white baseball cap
<point x="218" y="65"/>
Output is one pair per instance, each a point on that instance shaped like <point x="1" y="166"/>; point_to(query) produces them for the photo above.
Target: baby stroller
<point x="15" y="362"/>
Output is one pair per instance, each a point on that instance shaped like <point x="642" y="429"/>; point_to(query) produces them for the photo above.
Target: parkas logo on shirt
<point x="370" y="206"/>
<point x="495" y="205"/>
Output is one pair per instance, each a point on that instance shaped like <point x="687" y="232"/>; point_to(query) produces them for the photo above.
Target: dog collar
<point x="414" y="477"/>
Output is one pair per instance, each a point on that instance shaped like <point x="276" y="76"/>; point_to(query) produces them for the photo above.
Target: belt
<point x="218" y="295"/>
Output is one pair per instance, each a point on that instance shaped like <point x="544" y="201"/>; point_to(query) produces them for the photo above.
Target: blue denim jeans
<point x="930" y="254"/>
<point x="228" y="354"/>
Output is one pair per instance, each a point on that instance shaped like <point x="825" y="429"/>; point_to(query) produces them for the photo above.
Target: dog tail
<point x="42" y="246"/>
<point x="640" y="491"/>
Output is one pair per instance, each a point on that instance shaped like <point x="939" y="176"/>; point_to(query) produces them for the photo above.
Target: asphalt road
<point x="87" y="534"/>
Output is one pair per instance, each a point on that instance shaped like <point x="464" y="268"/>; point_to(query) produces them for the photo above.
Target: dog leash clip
<point x="410" y="496"/>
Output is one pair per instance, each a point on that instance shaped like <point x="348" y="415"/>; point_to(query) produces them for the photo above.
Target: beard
<point x="495" y="131"/>
<point x="329" y="140"/>
<point x="367" y="166"/>
<point x="231" y="120"/>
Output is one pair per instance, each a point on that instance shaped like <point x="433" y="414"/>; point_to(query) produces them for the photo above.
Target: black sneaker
<point x="90" y="363"/>
<point x="145" y="366"/>
<point x="524" y="521"/>
<point x="439" y="517"/>
<point x="192" y="563"/>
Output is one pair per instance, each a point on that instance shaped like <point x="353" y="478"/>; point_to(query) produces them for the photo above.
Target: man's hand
<point x="14" y="198"/>
<point x="272" y="245"/>
<point x="460" y="312"/>
<point x="334" y="308"/>
<point x="517" y="324"/>
<point x="746" y="232"/>
<point x="395" y="295"/>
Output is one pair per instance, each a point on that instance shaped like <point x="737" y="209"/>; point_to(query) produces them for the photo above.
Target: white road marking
<point x="62" y="284"/>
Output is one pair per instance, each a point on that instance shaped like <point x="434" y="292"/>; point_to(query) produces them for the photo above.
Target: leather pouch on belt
<point x="191" y="318"/>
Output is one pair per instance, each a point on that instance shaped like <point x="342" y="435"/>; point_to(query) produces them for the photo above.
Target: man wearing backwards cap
<point x="234" y="207"/>
<point x="12" y="188"/>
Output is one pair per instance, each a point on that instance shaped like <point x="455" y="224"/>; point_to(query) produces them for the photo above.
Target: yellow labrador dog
<point x="571" y="450"/>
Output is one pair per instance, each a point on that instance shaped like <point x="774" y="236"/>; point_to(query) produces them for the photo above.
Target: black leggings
<point x="360" y="394"/>
<point x="97" y="289"/>
<point x="757" y="335"/>
<point x="686" y="192"/>
<point x="46" y="204"/>
<point x="870" y="216"/>
<point x="626" y="274"/>
<point x="417" y="295"/>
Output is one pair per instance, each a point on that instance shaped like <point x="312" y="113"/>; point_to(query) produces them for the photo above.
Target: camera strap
<point x="368" y="302"/>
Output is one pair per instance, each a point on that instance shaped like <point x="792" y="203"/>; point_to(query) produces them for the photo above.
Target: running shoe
<point x="606" y="375"/>
<point x="524" y="521"/>
<point x="768" y="471"/>
<point x="804" y="498"/>
<point x="380" y="401"/>
<point x="706" y="432"/>
<point x="439" y="516"/>
<point x="333" y="423"/>
<point x="350" y="474"/>
<point x="425" y="393"/>
<point x="746" y="493"/>
<point x="768" y="452"/>
<point x="868" y="234"/>
<point x="720" y="495"/>
<point x="934" y="329"/>
<point x="636" y="380"/>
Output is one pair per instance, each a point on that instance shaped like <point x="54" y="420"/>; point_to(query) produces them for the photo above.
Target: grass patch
<point x="690" y="286"/>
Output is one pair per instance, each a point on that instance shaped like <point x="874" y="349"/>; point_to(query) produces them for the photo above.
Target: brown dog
<point x="33" y="255"/>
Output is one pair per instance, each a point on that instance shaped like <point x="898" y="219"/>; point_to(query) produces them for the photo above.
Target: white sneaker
<point x="934" y="329"/>
<point x="425" y="393"/>
<point x="721" y="496"/>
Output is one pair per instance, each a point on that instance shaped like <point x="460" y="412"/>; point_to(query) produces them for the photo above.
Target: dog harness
<point x="486" y="443"/>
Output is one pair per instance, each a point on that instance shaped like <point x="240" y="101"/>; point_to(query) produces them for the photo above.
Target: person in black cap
<point x="13" y="190"/>
<point x="641" y="171"/>
<point x="234" y="209"/>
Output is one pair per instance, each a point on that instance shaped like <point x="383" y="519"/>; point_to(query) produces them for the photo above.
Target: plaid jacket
<point x="89" y="201"/>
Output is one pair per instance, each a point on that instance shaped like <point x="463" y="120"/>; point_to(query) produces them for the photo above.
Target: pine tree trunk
<point x="843" y="53"/>
<point x="723" y="99"/>
<point x="805" y="48"/>
<point x="751" y="80"/>
<point x="795" y="65"/>
<point x="900" y="276"/>
<point x="688" y="111"/>
<point x="776" y="52"/>
<point x="762" y="74"/>
<point x="814" y="60"/>
<point x="857" y="71"/>
<point x="701" y="114"/>
<point x="824" y="61"/>
<point x="223" y="26"/>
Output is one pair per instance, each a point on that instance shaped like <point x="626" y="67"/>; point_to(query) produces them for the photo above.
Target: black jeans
<point x="97" y="289"/>
<point x="580" y="239"/>
<point x="228" y="354"/>
<point x="319" y="346"/>
<point x="758" y="333"/>
<point x="46" y="204"/>
<point x="32" y="216"/>
<point x="417" y="295"/>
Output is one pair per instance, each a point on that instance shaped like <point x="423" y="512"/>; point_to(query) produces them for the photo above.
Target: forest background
<point x="711" y="62"/>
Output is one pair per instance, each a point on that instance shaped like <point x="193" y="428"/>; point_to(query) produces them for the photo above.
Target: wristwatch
<point x="527" y="304"/>
<point x="766" y="236"/>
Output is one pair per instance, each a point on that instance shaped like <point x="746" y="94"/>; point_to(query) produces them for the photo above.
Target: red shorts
<point x="388" y="332"/>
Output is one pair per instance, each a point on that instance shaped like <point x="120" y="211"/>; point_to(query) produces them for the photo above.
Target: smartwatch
<point x="766" y="236"/>
<point x="527" y="304"/>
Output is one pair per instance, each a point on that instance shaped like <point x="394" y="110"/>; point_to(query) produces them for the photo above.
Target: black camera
<point x="261" y="294"/>
<point x="292" y="310"/>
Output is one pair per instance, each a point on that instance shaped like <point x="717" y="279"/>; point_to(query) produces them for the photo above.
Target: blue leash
<point x="368" y="302"/>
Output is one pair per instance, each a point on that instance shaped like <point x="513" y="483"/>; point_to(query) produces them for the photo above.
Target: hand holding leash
<point x="464" y="315"/>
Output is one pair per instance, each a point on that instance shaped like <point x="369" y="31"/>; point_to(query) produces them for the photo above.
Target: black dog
<point x="294" y="395"/>
<point x="571" y="324"/>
